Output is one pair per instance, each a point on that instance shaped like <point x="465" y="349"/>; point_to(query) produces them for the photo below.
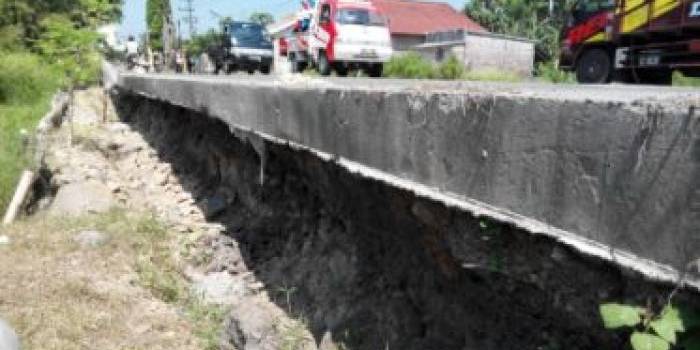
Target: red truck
<point x="633" y="41"/>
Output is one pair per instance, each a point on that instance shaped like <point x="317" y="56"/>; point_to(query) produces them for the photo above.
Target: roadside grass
<point x="681" y="80"/>
<point x="26" y="87"/>
<point x="127" y="294"/>
<point x="414" y="66"/>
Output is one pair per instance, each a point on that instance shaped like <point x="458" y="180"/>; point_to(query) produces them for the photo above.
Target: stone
<point x="81" y="198"/>
<point x="91" y="238"/>
<point x="257" y="324"/>
<point x="219" y="288"/>
<point x="4" y="240"/>
<point x="8" y="337"/>
<point x="214" y="205"/>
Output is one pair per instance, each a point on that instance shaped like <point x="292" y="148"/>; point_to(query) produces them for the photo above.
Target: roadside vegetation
<point x="44" y="46"/>
<point x="414" y="66"/>
<point x="127" y="292"/>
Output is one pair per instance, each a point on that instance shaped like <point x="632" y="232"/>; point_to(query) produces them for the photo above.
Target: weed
<point x="674" y="326"/>
<point x="681" y="80"/>
<point x="410" y="65"/>
<point x="293" y="334"/>
<point x="550" y="72"/>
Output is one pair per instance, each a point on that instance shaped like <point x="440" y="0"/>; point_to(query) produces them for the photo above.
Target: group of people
<point x="147" y="60"/>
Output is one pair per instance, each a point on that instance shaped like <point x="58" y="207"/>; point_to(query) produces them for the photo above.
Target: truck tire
<point x="265" y="69"/>
<point x="375" y="70"/>
<point x="594" y="67"/>
<point x="324" y="67"/>
<point x="342" y="70"/>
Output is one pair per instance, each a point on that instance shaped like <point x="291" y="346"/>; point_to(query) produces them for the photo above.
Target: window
<point x="586" y="8"/>
<point x="359" y="17"/>
<point x="325" y="15"/>
<point x="440" y="54"/>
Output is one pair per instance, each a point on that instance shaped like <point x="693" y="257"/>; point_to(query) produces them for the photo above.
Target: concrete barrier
<point x="612" y="171"/>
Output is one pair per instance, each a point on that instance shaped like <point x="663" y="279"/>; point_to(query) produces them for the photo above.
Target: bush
<point x="451" y="68"/>
<point x="681" y="80"/>
<point x="24" y="78"/>
<point x="410" y="65"/>
<point x="549" y="71"/>
<point x="26" y="84"/>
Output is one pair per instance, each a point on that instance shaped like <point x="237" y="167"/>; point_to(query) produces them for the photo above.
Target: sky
<point x="134" y="12"/>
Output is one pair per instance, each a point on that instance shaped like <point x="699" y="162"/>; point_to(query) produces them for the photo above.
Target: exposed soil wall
<point x="377" y="267"/>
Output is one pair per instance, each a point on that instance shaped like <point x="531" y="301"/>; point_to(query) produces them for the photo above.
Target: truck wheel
<point x="594" y="67"/>
<point x="324" y="67"/>
<point x="375" y="70"/>
<point x="655" y="76"/>
<point x="342" y="70"/>
<point x="265" y="69"/>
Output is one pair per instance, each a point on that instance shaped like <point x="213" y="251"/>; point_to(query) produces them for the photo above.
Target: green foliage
<point x="44" y="45"/>
<point x="156" y="11"/>
<point x="548" y="71"/>
<point x="72" y="49"/>
<point x="646" y="341"/>
<point x="26" y="84"/>
<point x="681" y="80"/>
<point x="652" y="331"/>
<point x="617" y="315"/>
<point x="414" y="66"/>
<point x="199" y="43"/>
<point x="410" y="65"/>
<point x="525" y="18"/>
<point x="263" y="18"/>
<point x="451" y="68"/>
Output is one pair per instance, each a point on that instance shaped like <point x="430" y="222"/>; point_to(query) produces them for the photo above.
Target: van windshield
<point x="360" y="17"/>
<point x="248" y="33"/>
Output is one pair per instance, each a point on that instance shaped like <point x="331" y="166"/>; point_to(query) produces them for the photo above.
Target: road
<point x="634" y="95"/>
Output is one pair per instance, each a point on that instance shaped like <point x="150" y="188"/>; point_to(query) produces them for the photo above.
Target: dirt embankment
<point x="369" y="266"/>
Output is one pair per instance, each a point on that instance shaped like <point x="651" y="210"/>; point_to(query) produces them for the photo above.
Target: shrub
<point x="24" y="78"/>
<point x="409" y="65"/>
<point x="681" y="80"/>
<point x="451" y="68"/>
<point x="549" y="71"/>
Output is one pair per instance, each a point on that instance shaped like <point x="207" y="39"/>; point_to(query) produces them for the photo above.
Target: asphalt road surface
<point x="634" y="95"/>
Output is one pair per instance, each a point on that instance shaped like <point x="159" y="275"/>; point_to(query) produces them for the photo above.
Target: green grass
<point x="414" y="66"/>
<point x="26" y="87"/>
<point x="681" y="80"/>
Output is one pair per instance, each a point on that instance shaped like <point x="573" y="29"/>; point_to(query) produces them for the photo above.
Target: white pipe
<point x="20" y="193"/>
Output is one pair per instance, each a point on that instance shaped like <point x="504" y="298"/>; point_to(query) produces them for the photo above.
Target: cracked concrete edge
<point x="648" y="268"/>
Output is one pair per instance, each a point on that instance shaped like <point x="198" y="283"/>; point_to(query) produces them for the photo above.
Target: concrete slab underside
<point x="616" y="175"/>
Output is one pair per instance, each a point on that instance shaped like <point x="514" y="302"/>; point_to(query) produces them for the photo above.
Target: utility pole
<point x="189" y="17"/>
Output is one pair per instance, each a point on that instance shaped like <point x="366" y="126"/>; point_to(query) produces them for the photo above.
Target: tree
<point x="263" y="18"/>
<point x="531" y="19"/>
<point x="156" y="13"/>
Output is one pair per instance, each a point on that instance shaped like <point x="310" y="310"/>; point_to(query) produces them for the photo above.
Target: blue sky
<point x="134" y="22"/>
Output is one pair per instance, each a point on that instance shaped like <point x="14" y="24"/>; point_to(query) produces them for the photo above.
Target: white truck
<point x="340" y="35"/>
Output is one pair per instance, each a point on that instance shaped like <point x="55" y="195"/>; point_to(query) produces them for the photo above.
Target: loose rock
<point x="91" y="238"/>
<point x="81" y="198"/>
<point x="8" y="338"/>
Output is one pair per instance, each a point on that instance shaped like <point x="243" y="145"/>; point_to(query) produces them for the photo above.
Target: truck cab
<point x="244" y="46"/>
<point x="634" y="41"/>
<point x="343" y="34"/>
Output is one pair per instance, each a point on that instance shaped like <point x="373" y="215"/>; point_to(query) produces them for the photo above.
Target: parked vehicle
<point x="243" y="46"/>
<point x="340" y="35"/>
<point x="637" y="41"/>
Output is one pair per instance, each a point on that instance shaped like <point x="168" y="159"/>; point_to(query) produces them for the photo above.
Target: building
<point x="481" y="51"/>
<point x="436" y="30"/>
<point x="410" y="22"/>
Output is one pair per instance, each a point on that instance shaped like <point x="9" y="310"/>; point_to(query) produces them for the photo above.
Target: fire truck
<point x="633" y="41"/>
<point x="340" y="35"/>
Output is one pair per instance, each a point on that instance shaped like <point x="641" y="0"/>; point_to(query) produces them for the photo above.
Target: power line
<point x="189" y="16"/>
